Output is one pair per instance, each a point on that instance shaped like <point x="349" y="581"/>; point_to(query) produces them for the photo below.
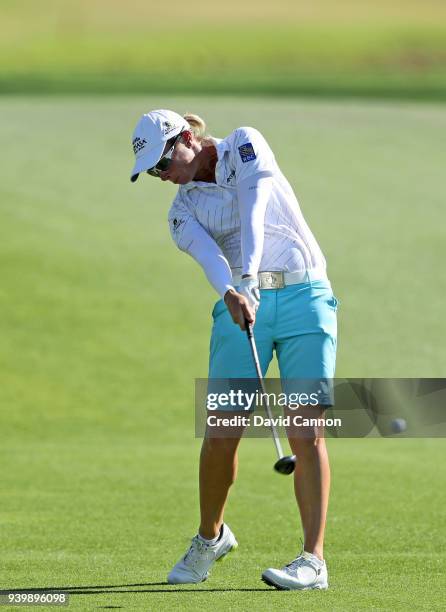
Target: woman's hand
<point x="249" y="287"/>
<point x="239" y="308"/>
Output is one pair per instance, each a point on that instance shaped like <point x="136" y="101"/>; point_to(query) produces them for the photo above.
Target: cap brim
<point x="146" y="161"/>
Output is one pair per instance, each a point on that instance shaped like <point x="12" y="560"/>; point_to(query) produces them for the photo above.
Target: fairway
<point x="104" y="326"/>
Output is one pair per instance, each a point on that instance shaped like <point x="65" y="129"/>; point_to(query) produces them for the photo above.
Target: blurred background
<point x="368" y="47"/>
<point x="104" y="325"/>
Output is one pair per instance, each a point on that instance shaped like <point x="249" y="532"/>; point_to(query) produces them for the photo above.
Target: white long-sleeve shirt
<point x="248" y="221"/>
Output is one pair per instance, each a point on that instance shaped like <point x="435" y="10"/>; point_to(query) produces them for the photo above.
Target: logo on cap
<point x="168" y="127"/>
<point x="138" y="144"/>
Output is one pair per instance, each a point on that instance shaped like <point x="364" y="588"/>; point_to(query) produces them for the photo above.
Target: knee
<point x="307" y="446"/>
<point x="222" y="447"/>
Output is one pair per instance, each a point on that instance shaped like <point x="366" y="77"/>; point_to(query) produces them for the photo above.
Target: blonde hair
<point x="198" y="126"/>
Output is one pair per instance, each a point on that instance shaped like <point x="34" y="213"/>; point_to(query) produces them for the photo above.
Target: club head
<point x="285" y="465"/>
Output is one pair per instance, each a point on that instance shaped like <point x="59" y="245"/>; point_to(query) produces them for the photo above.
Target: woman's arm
<point x="254" y="166"/>
<point x="192" y="238"/>
<point x="253" y="197"/>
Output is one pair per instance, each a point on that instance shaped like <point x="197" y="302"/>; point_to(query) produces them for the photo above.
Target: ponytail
<point x="198" y="126"/>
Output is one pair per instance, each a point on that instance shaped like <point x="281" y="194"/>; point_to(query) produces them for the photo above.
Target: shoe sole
<point x="279" y="587"/>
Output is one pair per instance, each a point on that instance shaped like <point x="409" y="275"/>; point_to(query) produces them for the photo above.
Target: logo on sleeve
<point x="230" y="177"/>
<point x="247" y="152"/>
<point x="176" y="224"/>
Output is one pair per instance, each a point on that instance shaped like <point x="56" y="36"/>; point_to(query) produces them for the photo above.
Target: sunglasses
<point x="166" y="159"/>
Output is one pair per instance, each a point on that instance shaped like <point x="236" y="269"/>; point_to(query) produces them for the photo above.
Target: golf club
<point x="284" y="464"/>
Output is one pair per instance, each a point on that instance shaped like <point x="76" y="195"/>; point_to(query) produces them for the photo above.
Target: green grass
<point x="327" y="49"/>
<point x="105" y="325"/>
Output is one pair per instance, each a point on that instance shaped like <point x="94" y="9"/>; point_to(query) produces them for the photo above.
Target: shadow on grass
<point x="128" y="588"/>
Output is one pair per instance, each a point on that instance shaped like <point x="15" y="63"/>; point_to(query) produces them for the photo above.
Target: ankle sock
<point x="213" y="540"/>
<point x="208" y="542"/>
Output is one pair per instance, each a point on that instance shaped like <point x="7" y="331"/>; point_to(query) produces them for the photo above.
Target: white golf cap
<point x="151" y="133"/>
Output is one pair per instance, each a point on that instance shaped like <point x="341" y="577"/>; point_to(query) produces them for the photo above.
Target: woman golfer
<point x="237" y="216"/>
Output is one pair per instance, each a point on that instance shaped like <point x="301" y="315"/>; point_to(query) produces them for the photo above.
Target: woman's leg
<point x="218" y="470"/>
<point x="311" y="480"/>
<point x="230" y="358"/>
<point x="307" y="359"/>
<point x="218" y="466"/>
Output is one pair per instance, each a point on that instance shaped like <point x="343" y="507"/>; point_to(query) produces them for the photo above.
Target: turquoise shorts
<point x="297" y="322"/>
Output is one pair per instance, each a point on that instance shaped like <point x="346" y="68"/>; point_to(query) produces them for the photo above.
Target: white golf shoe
<point x="306" y="572"/>
<point x="196" y="564"/>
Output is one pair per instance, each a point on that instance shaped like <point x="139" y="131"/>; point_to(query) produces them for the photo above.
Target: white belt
<point x="279" y="279"/>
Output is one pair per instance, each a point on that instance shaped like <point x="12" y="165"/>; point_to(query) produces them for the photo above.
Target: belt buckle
<point x="271" y="280"/>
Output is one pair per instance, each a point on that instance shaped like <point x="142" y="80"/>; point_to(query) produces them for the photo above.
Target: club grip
<point x="249" y="331"/>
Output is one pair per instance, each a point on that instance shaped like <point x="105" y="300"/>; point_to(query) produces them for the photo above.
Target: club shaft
<point x="255" y="357"/>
